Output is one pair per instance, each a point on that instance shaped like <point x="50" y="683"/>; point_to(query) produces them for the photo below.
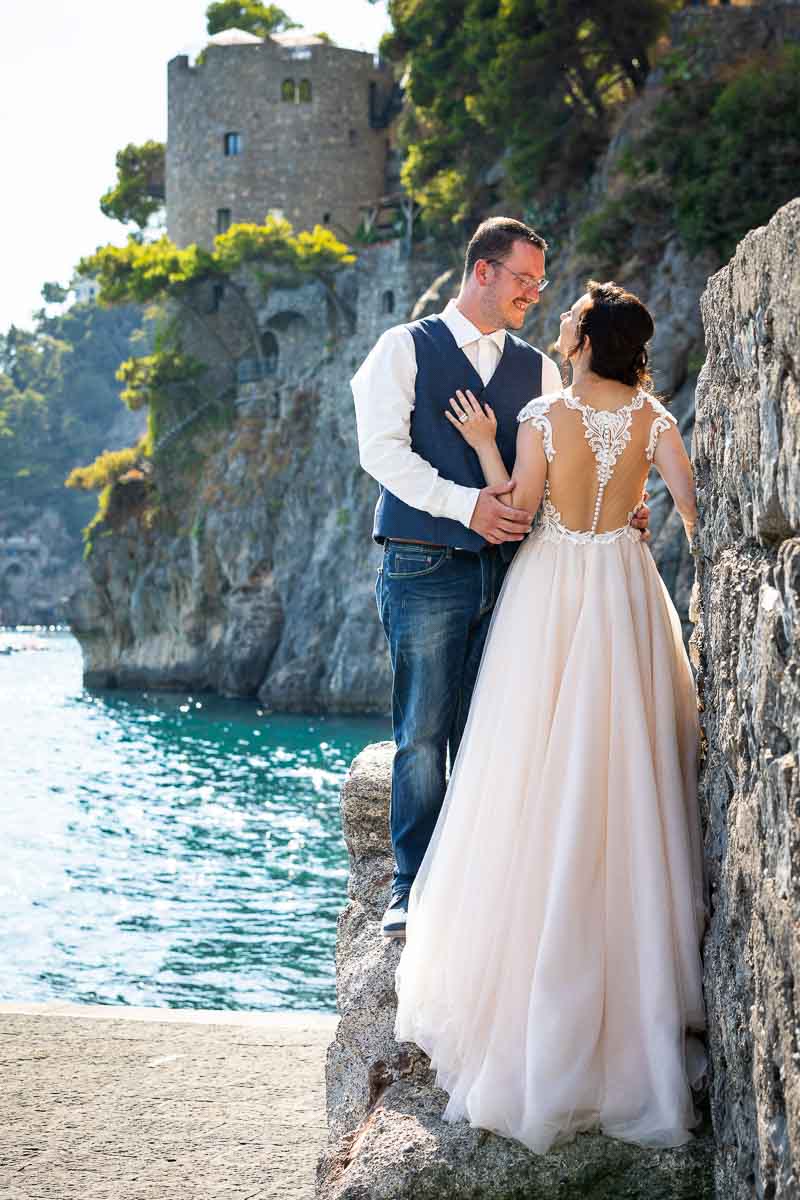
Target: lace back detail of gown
<point x="607" y="433"/>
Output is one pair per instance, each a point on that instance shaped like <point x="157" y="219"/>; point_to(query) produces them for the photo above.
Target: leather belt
<point x="451" y="551"/>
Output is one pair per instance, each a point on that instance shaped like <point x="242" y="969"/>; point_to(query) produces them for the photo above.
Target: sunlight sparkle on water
<point x="165" y="850"/>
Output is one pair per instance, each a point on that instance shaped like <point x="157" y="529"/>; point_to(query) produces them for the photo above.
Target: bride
<point x="552" y="968"/>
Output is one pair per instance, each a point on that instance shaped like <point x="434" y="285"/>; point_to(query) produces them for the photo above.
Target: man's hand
<point x="498" y="522"/>
<point x="641" y="518"/>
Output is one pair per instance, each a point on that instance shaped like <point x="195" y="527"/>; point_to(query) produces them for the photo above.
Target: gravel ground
<point x="100" y="1103"/>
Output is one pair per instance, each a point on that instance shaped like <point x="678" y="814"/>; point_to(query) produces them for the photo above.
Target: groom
<point x="447" y="538"/>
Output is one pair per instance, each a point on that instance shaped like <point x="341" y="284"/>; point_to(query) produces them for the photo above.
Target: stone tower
<point x="289" y="125"/>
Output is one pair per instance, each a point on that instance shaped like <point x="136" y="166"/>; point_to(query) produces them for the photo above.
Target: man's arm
<point x="383" y="390"/>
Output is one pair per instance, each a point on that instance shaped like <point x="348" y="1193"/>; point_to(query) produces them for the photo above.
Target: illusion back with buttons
<point x="598" y="460"/>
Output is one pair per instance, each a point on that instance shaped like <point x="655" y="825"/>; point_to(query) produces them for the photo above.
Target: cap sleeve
<point x="662" y="419"/>
<point x="536" y="413"/>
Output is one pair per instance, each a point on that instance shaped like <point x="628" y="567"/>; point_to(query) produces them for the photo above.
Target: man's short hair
<point x="495" y="238"/>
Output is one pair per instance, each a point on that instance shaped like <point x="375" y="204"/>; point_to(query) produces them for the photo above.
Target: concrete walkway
<point x="100" y="1103"/>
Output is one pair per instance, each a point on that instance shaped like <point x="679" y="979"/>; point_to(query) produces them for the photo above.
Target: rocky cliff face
<point x="747" y="460"/>
<point x="387" y="1138"/>
<point x="259" y="579"/>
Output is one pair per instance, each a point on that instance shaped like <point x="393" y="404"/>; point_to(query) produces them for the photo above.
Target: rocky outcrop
<point x="258" y="575"/>
<point x="387" y="1138"/>
<point x="747" y="460"/>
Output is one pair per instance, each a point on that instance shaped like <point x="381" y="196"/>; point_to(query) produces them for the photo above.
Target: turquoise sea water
<point x="168" y="850"/>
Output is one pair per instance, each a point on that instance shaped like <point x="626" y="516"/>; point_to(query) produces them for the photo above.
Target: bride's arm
<point x="477" y="424"/>
<point x="673" y="465"/>
<point x="480" y="430"/>
<point x="530" y="467"/>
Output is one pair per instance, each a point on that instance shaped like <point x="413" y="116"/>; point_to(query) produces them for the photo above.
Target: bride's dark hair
<point x="619" y="326"/>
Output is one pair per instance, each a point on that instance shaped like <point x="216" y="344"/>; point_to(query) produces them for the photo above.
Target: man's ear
<point x="481" y="271"/>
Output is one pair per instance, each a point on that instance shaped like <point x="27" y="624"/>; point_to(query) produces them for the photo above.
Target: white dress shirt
<point x="383" y="389"/>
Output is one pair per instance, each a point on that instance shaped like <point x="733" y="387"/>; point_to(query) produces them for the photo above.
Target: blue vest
<point x="443" y="369"/>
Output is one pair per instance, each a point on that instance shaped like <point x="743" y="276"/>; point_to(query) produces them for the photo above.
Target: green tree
<point x="260" y="19"/>
<point x="139" y="190"/>
<point x="54" y="293"/>
<point x="529" y="84"/>
<point x="58" y="397"/>
<point x="245" y="262"/>
<point x="715" y="158"/>
<point x="743" y="162"/>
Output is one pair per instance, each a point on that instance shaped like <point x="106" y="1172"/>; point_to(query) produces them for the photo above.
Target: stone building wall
<point x="747" y="462"/>
<point x="315" y="161"/>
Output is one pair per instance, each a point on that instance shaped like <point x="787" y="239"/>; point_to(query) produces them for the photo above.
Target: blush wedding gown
<point x="552" y="967"/>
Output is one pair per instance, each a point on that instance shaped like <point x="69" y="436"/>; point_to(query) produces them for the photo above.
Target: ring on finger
<point x="463" y="417"/>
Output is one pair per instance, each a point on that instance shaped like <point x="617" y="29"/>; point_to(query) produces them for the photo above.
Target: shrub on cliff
<point x="716" y="158"/>
<point x="217" y="293"/>
<point x="122" y="478"/>
<point x="745" y="163"/>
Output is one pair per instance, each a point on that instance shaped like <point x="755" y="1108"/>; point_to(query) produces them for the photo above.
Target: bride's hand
<point x="476" y="423"/>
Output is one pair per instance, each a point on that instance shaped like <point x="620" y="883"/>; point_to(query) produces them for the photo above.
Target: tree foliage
<point x="260" y="19"/>
<point x="737" y="160"/>
<point x="108" y="467"/>
<point x="530" y="81"/>
<point x="54" y="293"/>
<point x="715" y="159"/>
<point x="143" y="272"/>
<point x="140" y="187"/>
<point x="58" y="398"/>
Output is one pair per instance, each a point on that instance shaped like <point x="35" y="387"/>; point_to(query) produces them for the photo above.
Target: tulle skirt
<point x="552" y="967"/>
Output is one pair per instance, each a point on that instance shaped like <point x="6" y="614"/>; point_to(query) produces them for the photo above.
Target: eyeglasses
<point x="526" y="282"/>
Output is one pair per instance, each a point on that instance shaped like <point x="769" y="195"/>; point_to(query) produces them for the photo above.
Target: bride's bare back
<point x="598" y="459"/>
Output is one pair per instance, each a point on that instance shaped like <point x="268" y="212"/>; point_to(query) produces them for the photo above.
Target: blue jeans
<point x="435" y="606"/>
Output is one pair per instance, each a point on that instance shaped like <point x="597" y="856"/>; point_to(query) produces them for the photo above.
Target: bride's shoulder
<point x="540" y="406"/>
<point x="658" y="409"/>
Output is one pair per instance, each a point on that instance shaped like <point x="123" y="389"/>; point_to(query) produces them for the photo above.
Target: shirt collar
<point x="464" y="331"/>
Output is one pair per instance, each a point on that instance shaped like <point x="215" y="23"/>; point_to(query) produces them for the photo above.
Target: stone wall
<point x="747" y="461"/>
<point x="314" y="161"/>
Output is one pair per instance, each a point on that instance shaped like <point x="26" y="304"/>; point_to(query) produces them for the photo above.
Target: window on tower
<point x="305" y="91"/>
<point x="223" y="220"/>
<point x="288" y="90"/>
<point x="387" y="303"/>
<point x="233" y="143"/>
